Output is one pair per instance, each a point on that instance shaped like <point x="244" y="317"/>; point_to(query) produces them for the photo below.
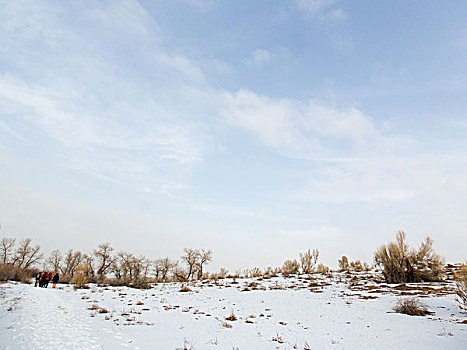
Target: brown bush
<point x="402" y="264"/>
<point x="412" y="307"/>
<point x="461" y="287"/>
<point x="79" y="281"/>
<point x="256" y="272"/>
<point x="356" y="265"/>
<point x="185" y="289"/>
<point x="343" y="264"/>
<point x="321" y="268"/>
<point x="308" y="260"/>
<point x="231" y="317"/>
<point x="15" y="273"/>
<point x="290" y="267"/>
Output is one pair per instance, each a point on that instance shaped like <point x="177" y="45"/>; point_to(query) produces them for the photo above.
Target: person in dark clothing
<point x="42" y="279"/>
<point x="55" y="280"/>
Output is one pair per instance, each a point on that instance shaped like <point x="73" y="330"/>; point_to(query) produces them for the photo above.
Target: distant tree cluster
<point x="102" y="265"/>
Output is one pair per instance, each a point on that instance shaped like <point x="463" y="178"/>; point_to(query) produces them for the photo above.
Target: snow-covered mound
<point x="319" y="312"/>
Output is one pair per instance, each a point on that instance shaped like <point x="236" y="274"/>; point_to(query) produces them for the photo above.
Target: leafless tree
<point x="162" y="267"/>
<point x="132" y="269"/>
<point x="204" y="257"/>
<point x="27" y="255"/>
<point x="191" y="258"/>
<point x="103" y="254"/>
<point x="6" y="249"/>
<point x="71" y="261"/>
<point x="88" y="265"/>
<point x="54" y="260"/>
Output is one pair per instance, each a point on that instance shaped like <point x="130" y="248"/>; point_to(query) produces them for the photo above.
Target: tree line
<point x="103" y="264"/>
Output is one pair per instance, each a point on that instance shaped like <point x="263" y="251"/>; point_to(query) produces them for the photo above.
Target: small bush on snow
<point x="343" y="263"/>
<point x="290" y="267"/>
<point x="231" y="317"/>
<point x="79" y="281"/>
<point x="411" y="306"/>
<point x="308" y="260"/>
<point x="322" y="268"/>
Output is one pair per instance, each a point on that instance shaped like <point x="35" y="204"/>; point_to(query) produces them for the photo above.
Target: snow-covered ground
<point x="339" y="312"/>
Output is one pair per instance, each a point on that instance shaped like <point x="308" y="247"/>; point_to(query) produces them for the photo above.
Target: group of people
<point x="43" y="279"/>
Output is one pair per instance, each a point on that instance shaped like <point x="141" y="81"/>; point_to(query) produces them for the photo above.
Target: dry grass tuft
<point x="412" y="307"/>
<point x="231" y="317"/>
<point x="184" y="289"/>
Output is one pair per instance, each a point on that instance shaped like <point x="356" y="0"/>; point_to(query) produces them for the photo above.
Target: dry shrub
<point x="411" y="306"/>
<point x="321" y="268"/>
<point x="461" y="286"/>
<point x="223" y="272"/>
<point x="356" y="265"/>
<point x="184" y="289"/>
<point x="308" y="260"/>
<point x="290" y="267"/>
<point x="343" y="264"/>
<point x="15" y="273"/>
<point x="256" y="272"/>
<point x="402" y="264"/>
<point x="269" y="272"/>
<point x="231" y="317"/>
<point x="79" y="281"/>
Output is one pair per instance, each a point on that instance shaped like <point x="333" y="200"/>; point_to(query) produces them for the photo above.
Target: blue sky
<point x="257" y="129"/>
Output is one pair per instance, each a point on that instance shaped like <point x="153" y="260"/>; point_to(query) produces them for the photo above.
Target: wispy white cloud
<point x="314" y="6"/>
<point x="323" y="10"/>
<point x="356" y="159"/>
<point x="334" y="16"/>
<point x="261" y="56"/>
<point x="87" y="90"/>
<point x="306" y="130"/>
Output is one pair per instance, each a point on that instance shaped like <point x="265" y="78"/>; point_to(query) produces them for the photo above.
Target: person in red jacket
<point x="48" y="277"/>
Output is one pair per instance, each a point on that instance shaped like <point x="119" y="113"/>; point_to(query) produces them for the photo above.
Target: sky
<point x="258" y="129"/>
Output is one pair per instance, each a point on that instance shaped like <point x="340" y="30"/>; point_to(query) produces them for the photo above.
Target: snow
<point x="323" y="313"/>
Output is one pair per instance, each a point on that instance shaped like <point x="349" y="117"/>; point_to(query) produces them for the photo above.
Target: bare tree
<point x="27" y="255"/>
<point x="191" y="257"/>
<point x="116" y="269"/>
<point x="71" y="261"/>
<point x="54" y="260"/>
<point x="162" y="267"/>
<point x="132" y="268"/>
<point x="204" y="257"/>
<point x="88" y="265"/>
<point x="103" y="254"/>
<point x="146" y="265"/>
<point x="126" y="265"/>
<point x="6" y="249"/>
